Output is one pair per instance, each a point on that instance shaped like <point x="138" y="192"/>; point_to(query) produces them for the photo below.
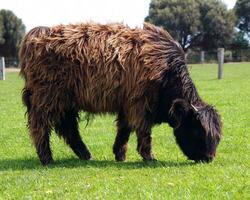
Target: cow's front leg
<point x="144" y="145"/>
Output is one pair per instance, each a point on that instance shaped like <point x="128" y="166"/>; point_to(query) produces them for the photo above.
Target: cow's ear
<point x="178" y="111"/>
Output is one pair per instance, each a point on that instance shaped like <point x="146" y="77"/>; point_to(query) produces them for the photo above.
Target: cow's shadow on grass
<point x="33" y="163"/>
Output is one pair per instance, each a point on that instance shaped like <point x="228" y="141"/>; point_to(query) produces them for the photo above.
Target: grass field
<point x="172" y="177"/>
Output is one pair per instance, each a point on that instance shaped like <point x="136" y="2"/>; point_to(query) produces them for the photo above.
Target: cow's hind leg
<point x="67" y="127"/>
<point x="40" y="133"/>
<point x="121" y="140"/>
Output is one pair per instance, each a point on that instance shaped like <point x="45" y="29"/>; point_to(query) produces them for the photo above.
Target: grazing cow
<point x="139" y="74"/>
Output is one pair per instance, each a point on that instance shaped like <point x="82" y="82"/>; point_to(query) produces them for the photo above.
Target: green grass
<point x="172" y="177"/>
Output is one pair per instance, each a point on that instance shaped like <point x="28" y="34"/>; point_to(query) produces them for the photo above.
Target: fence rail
<point x="217" y="56"/>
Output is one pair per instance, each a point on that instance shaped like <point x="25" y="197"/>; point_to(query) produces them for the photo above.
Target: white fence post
<point x="2" y="68"/>
<point x="220" y="62"/>
<point x="202" y="57"/>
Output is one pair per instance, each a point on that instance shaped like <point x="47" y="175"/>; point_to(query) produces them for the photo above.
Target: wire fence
<point x="11" y="62"/>
<point x="236" y="55"/>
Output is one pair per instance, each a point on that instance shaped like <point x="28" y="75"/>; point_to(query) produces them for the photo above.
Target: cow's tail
<point x="29" y="47"/>
<point x="27" y="57"/>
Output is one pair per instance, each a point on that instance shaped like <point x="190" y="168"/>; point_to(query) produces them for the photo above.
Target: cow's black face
<point x="197" y="131"/>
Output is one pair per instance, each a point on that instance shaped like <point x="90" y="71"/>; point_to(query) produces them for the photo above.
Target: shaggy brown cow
<point x="138" y="74"/>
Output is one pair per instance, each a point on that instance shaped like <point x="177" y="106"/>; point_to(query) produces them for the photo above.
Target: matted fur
<point x="136" y="73"/>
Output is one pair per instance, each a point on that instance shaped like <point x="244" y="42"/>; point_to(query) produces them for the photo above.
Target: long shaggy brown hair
<point x="139" y="74"/>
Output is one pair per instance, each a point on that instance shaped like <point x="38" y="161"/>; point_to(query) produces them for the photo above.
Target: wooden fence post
<point x="2" y="68"/>
<point x="220" y="54"/>
<point x="202" y="56"/>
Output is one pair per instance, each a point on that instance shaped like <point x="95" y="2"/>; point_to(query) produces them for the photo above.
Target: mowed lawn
<point x="172" y="177"/>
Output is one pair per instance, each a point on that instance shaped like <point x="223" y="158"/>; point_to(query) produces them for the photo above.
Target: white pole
<point x="220" y="62"/>
<point x="2" y="69"/>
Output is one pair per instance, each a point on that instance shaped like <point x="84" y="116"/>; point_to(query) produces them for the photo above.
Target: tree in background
<point x="194" y="23"/>
<point x="239" y="47"/>
<point x="180" y="18"/>
<point x="218" y="24"/>
<point x="239" y="41"/>
<point x="242" y="10"/>
<point x="1" y="30"/>
<point x="11" y="32"/>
